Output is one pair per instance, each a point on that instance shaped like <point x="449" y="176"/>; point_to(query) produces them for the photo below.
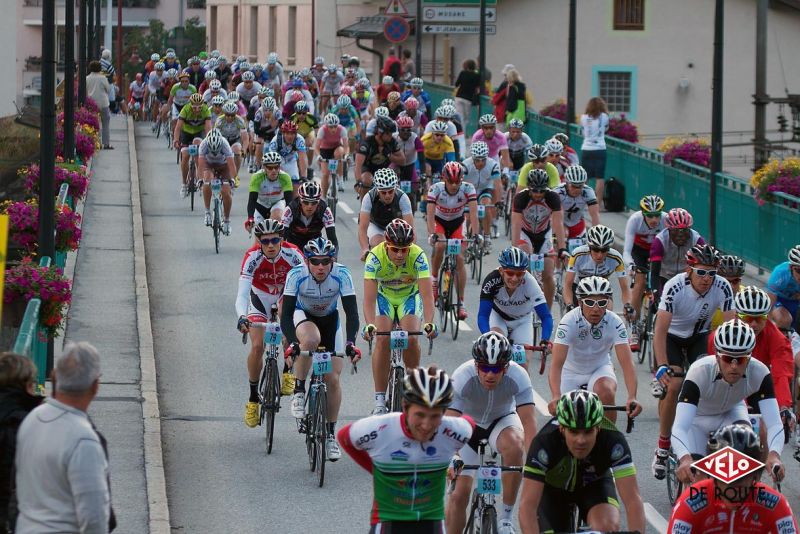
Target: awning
<point x="368" y="27"/>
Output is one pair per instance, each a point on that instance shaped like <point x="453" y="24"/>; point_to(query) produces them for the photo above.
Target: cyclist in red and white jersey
<point x="670" y="245"/>
<point x="569" y="152"/>
<point x="331" y="145"/>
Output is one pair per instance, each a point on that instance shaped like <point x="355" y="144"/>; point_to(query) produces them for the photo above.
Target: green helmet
<point x="579" y="409"/>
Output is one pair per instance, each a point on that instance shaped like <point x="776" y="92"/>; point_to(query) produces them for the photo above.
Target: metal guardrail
<point x="32" y="337"/>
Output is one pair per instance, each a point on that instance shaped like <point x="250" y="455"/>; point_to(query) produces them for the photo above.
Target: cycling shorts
<point x="571" y="380"/>
<point x="518" y="331"/>
<point x="290" y="168"/>
<point x="263" y="212"/>
<point x="409" y="527"/>
<point x="577" y="231"/>
<point x="398" y="307"/>
<point x="704" y="425"/>
<point x="469" y="453"/>
<point x="260" y="304"/>
<point x="188" y="138"/>
<point x="641" y="258"/>
<point x="327" y="153"/>
<point x="330" y="329"/>
<point x="408" y="172"/>
<point x="486" y="193"/>
<point x="450" y="229"/>
<point x="696" y="346"/>
<point x="538" y="243"/>
<point x="554" y="509"/>
<point x="264" y="133"/>
<point x="373" y="230"/>
<point x="789" y="305"/>
<point x="436" y="165"/>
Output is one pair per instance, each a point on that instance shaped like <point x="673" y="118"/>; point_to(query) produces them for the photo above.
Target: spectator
<point x="500" y="96"/>
<point x="595" y="124"/>
<point x="17" y="399"/>
<point x="61" y="463"/>
<point x="393" y="67"/>
<point x="468" y="87"/>
<point x="98" y="88"/>
<point x="106" y="65"/>
<point x="517" y="96"/>
<point x="409" y="67"/>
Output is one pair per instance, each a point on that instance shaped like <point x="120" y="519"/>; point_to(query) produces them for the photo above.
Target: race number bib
<point x="537" y="262"/>
<point x="453" y="246"/>
<point x="322" y="363"/>
<point x="216" y="186"/>
<point x="272" y="334"/>
<point x="333" y="164"/>
<point x="572" y="244"/>
<point x="489" y="480"/>
<point x="192" y="150"/>
<point x="481" y="211"/>
<point x="398" y="340"/>
<point x="518" y="354"/>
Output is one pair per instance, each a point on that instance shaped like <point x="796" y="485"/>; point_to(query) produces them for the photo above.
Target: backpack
<point x="614" y="195"/>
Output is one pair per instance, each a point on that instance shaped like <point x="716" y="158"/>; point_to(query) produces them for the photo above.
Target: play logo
<point x="727" y="465"/>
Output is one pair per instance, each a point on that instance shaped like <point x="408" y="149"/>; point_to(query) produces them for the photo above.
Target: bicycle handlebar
<point x="538" y="348"/>
<point x="622" y="408"/>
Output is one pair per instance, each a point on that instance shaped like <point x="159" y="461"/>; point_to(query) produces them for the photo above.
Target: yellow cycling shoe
<point x="251" y="416"/>
<point x="287" y="388"/>
<point x="236" y="181"/>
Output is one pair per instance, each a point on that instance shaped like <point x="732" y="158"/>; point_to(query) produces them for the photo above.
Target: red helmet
<point x="453" y="172"/>
<point x="411" y="103"/>
<point x="678" y="218"/>
<point x="289" y="127"/>
<point x="405" y="121"/>
<point x="347" y="90"/>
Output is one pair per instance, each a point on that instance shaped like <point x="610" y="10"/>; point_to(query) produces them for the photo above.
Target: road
<point x="217" y="470"/>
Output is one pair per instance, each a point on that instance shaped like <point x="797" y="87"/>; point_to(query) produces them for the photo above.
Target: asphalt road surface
<point x="219" y="477"/>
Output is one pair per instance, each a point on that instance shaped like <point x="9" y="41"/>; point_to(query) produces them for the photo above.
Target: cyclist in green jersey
<point x="270" y="191"/>
<point x="397" y="278"/>
<point x="194" y="122"/>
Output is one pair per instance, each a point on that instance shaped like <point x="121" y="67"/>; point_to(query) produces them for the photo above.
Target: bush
<point x="555" y="110"/>
<point x="621" y="128"/>
<point x="777" y="177"/>
<point x="28" y="280"/>
<point x="696" y="151"/>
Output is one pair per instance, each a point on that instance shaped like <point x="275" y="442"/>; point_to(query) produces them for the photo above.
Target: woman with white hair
<point x="517" y="97"/>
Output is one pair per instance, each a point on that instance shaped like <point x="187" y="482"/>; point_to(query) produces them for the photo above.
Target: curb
<point x="158" y="508"/>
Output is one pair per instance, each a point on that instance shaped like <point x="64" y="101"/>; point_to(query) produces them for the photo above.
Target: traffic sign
<point x="457" y="14"/>
<point x="491" y="29"/>
<point x="462" y="2"/>
<point x="396" y="29"/>
<point x="396" y="7"/>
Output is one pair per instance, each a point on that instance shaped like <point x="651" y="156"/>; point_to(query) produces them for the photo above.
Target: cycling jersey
<point x="496" y="143"/>
<point x="451" y="131"/>
<point x="305" y="125"/>
<point x="137" y="90"/>
<point x="246" y="93"/>
<point x="331" y="138"/>
<point x="672" y="258"/>
<point x="220" y="158"/>
<point x="208" y="94"/>
<point x="526" y="298"/>
<point x="691" y="312"/>
<point x="332" y="83"/>
<point x="377" y="156"/>
<point x="575" y="207"/>
<point x="301" y="229"/>
<point x="699" y="510"/>
<point x="638" y="234"/>
<point x="484" y="178"/>
<point x="536" y="214"/>
<point x="289" y="152"/>
<point x="582" y="264"/>
<point x="194" y="122"/>
<point x="419" y="118"/>
<point x="261" y="276"/>
<point x="438" y="151"/>
<point x="410" y="147"/>
<point x="486" y="406"/>
<point x="518" y="148"/>
<point x="552" y="175"/>
<point x="393" y="281"/>
<point x="180" y="96"/>
<point x="782" y="284"/>
<point x="589" y="344"/>
<point x="451" y="207"/>
<point x="154" y="81"/>
<point x="230" y="129"/>
<point x="422" y="97"/>
<point x="380" y="213"/>
<point x="318" y="298"/>
<point x="408" y="476"/>
<point x="270" y="192"/>
<point x="361" y="102"/>
<point x="348" y="116"/>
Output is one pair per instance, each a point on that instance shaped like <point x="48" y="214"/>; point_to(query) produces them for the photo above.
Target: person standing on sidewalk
<point x="61" y="463"/>
<point x="98" y="88"/>
<point x="17" y="399"/>
<point x="468" y="89"/>
<point x="594" y="122"/>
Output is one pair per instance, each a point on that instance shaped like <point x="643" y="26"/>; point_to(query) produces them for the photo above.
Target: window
<point x="254" y="31"/>
<point x="617" y="85"/>
<point x="629" y="14"/>
<point x="292" y="47"/>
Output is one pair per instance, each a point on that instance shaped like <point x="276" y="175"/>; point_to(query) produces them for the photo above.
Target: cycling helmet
<point x="562" y="138"/>
<point x="214" y="141"/>
<point x="439" y="127"/>
<point x="305" y="73"/>
<point x="241" y="59"/>
<point x="248" y="76"/>
<point x="159" y="66"/>
<point x="331" y="119"/>
<point x="272" y="58"/>
<point x="513" y="258"/>
<point x="171" y="73"/>
<point x="258" y="66"/>
<point x="219" y="100"/>
<point x="703" y="255"/>
<point x="244" y="68"/>
<point x="516" y="123"/>
<point x="651" y="204"/>
<point x="362" y="84"/>
<point x="487" y="120"/>
<point x="385" y="125"/>
<point x="429" y="387"/>
<point x="575" y="175"/>
<point x="170" y="54"/>
<point x="385" y="179"/>
<point x="234" y="96"/>
<point x="452" y="172"/>
<point x="183" y="74"/>
<point x="404" y="121"/>
<point x="269" y="103"/>
<point x="387" y="80"/>
<point x="731" y="266"/>
<point x="735" y="337"/>
<point x="343" y="101"/>
<point x="196" y="98"/>
<point x="752" y="300"/>
<point x="416" y="83"/>
<point x="600" y="236"/>
<point x="271" y="158"/>
<point x="678" y="218"/>
<point x="538" y="180"/>
<point x="492" y="348"/>
<point x="579" y="410"/>
<point x="212" y="64"/>
<point x="554" y="146"/>
<point x="332" y="68"/>
<point x="447" y="111"/>
<point x="394" y="96"/>
<point x="736" y="436"/>
<point x="154" y="57"/>
<point x="479" y="149"/>
<point x="289" y="127"/>
<point x="319" y="247"/>
<point x="309" y="191"/>
<point x="447" y="102"/>
<point x="593" y="285"/>
<point x="537" y="152"/>
<point x="215" y="85"/>
<point x="399" y="233"/>
<point x="301" y="106"/>
<point x="381" y="111"/>
<point x="215" y="53"/>
<point x="194" y="60"/>
<point x="319" y="60"/>
<point x="794" y="255"/>
<point x="268" y="226"/>
<point x="210" y="75"/>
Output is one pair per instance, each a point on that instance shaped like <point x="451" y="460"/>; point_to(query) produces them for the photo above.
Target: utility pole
<point x="109" y="25"/>
<point x="570" y="118"/>
<point x="122" y="80"/>
<point x="761" y="98"/>
<point x="69" y="80"/>
<point x="97" y="28"/>
<point x="482" y="52"/>
<point x="716" y="117"/>
<point x="418" y="35"/>
<point x="90" y="30"/>
<point x="83" y="42"/>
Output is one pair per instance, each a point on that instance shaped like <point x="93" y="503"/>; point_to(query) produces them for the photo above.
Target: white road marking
<point x="355" y="220"/>
<point x="655" y="519"/>
<point x="344" y="207"/>
<point x="464" y="326"/>
<point x="541" y="404"/>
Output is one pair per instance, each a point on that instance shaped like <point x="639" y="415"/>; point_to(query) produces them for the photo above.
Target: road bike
<point x="332" y="197"/>
<point x="448" y="301"/>
<point x="216" y="209"/>
<point x="191" y="186"/>
<point x="508" y="201"/>
<point x="398" y="344"/>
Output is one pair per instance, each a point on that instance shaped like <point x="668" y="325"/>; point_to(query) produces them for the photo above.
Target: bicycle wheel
<point x="674" y="486"/>
<point x="479" y="260"/>
<point x="473" y="513"/>
<point x="440" y="301"/>
<point x="455" y="306"/>
<point x="445" y="286"/>
<point x="332" y="197"/>
<point x="647" y="337"/>
<point x="192" y="186"/>
<point x="216" y="224"/>
<point x="308" y="419"/>
<point x="397" y="389"/>
<point x="270" y="399"/>
<point x="158" y="128"/>
<point x="321" y="433"/>
<point x="489" y="520"/>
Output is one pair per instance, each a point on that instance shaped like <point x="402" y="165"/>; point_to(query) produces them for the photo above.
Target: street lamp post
<point x="570" y="118"/>
<point x="69" y="80"/>
<point x="716" y="117"/>
<point x="482" y="52"/>
<point x="90" y="29"/>
<point x="82" y="44"/>
<point x="97" y="4"/>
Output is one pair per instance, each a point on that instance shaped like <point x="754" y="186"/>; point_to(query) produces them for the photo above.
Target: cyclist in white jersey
<point x="584" y="338"/>
<point x="310" y="319"/>
<point x="248" y="87"/>
<point x="498" y="395"/>
<point x="155" y="85"/>
<point x="215" y="157"/>
<point x="714" y="393"/>
<point x="687" y="305"/>
<point x="483" y="172"/>
<point x="576" y="199"/>
<point x="518" y="143"/>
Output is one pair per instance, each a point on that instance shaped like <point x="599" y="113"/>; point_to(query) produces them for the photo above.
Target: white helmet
<point x="154" y="57"/>
<point x="214" y="141"/>
<point x="554" y="146"/>
<point x="331" y="119"/>
<point x="228" y="108"/>
<point x="234" y="96"/>
<point x="219" y="100"/>
<point x="735" y="337"/>
<point x="385" y="179"/>
<point x="794" y="255"/>
<point x="271" y="158"/>
<point x="268" y="103"/>
<point x="429" y="387"/>
<point x="575" y="175"/>
<point x="381" y="111"/>
<point x="752" y="301"/>
<point x="438" y="127"/>
<point x="479" y="149"/>
<point x="215" y="85"/>
<point x="248" y="76"/>
<point x="600" y="236"/>
<point x="210" y="75"/>
<point x="593" y="285"/>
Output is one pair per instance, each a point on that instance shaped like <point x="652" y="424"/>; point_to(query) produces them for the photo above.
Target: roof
<point x="368" y="27"/>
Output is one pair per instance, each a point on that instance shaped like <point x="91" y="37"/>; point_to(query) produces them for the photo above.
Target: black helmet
<point x="538" y="180"/>
<point x="399" y="233"/>
<point x="385" y="124"/>
<point x="492" y="348"/>
<point x="737" y="436"/>
<point x="731" y="266"/>
<point x="429" y="387"/>
<point x="703" y="255"/>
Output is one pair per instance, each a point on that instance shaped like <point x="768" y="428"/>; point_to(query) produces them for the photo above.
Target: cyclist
<point x="216" y="111"/>
<point x="215" y="158"/>
<point x="483" y="173"/>
<point x="495" y="141"/>
<point x="331" y="83"/>
<point x="136" y="92"/>
<point x="419" y="94"/>
<point x="518" y="143"/>
<point x="640" y="231"/>
<point x="420" y="120"/>
<point x="784" y="290"/>
<point x="712" y="393"/>
<point x="178" y="97"/>
<point x="307" y="124"/>
<point x="447" y="203"/>
<point x="581" y="356"/>
<point x="509" y="297"/>
<point x="171" y="60"/>
<point x="713" y="506"/>
<point x="438" y="148"/>
<point x="274" y="71"/>
<point x="387" y="86"/>
<point x="261" y="283"/>
<point x="577" y="459"/>
<point x="535" y="215"/>
<point x="348" y="118"/>
<point x="270" y="191"/>
<point x="307" y="215"/>
<point x="384" y="203"/>
<point x="377" y="152"/>
<point x="556" y="156"/>
<point x="310" y="319"/>
<point x="681" y="331"/>
<point x="230" y="125"/>
<point x="576" y="199"/>
<point x="537" y="159"/>
<point x="731" y="268"/>
<point x="266" y="124"/>
<point x="397" y="288"/>
<point x="408" y="454"/>
<point x="670" y="246"/>
<point x="214" y="89"/>
<point x="569" y="152"/>
<point x="196" y="71"/>
<point x="194" y="123"/>
<point x="155" y="84"/>
<point x="597" y="258"/>
<point x="498" y="395"/>
<point x="203" y="87"/>
<point x="413" y="152"/>
<point x="331" y="145"/>
<point x="292" y="149"/>
<point x="393" y="104"/>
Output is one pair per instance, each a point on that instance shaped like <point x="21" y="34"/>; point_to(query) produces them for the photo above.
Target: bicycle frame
<point x="397" y="367"/>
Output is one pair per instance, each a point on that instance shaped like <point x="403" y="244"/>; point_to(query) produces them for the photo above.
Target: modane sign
<point x="457" y="14"/>
<point x="491" y="29"/>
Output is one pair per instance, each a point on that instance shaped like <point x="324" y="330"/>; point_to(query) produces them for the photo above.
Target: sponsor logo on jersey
<point x="542" y="457"/>
<point x="785" y="525"/>
<point x="681" y="527"/>
<point x="399" y="456"/>
<point x="561" y="333"/>
<point x="450" y="433"/>
<point x="430" y="451"/>
<point x="697" y="501"/>
<point x="767" y="499"/>
<point x="617" y="452"/>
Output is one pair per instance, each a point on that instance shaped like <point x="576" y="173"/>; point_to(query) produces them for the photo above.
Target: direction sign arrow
<point x="475" y="29"/>
<point x="457" y="14"/>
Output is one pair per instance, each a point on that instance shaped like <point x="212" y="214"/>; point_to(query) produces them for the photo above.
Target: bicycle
<point x="518" y="355"/>
<point x="216" y="209"/>
<point x="332" y="194"/>
<point x="482" y="517"/>
<point x="191" y="186"/>
<point x="646" y="329"/>
<point x="398" y="343"/>
<point x="448" y="284"/>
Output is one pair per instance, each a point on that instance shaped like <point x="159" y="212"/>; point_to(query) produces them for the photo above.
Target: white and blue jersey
<point x="318" y="298"/>
<point x="287" y="151"/>
<point x="782" y="284"/>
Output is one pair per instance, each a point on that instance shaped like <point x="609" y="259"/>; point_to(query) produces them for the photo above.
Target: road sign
<point x="396" y="29"/>
<point x="457" y="14"/>
<point x="396" y="7"/>
<point x="462" y="2"/>
<point x="491" y="29"/>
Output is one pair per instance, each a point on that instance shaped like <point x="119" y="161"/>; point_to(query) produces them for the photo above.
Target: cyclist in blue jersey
<point x="784" y="291"/>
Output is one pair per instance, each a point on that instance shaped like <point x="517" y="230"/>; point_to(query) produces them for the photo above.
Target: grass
<point x="17" y="142"/>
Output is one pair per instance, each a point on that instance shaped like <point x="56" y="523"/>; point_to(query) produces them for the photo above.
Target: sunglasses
<point x="596" y="303"/>
<point x="679" y="231"/>
<point x="438" y="135"/>
<point x="397" y="250"/>
<point x="540" y="160"/>
<point x="320" y="261"/>
<point x="272" y="167"/>
<point x="734" y="280"/>
<point x="705" y="272"/>
<point x="599" y="249"/>
<point x="652" y="215"/>
<point x="740" y="360"/>
<point x="405" y="130"/>
<point x="487" y="127"/>
<point x="270" y="241"/>
<point x="494" y="369"/>
<point x="514" y="273"/>
<point x="309" y="202"/>
<point x="748" y="317"/>
<point x="385" y="191"/>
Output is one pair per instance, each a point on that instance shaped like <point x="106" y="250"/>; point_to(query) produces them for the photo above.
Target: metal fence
<point x="760" y="234"/>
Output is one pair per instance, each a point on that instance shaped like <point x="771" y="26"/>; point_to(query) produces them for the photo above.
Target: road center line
<point x="655" y="519"/>
<point x="344" y="207"/>
<point x="462" y="325"/>
<point x="541" y="404"/>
